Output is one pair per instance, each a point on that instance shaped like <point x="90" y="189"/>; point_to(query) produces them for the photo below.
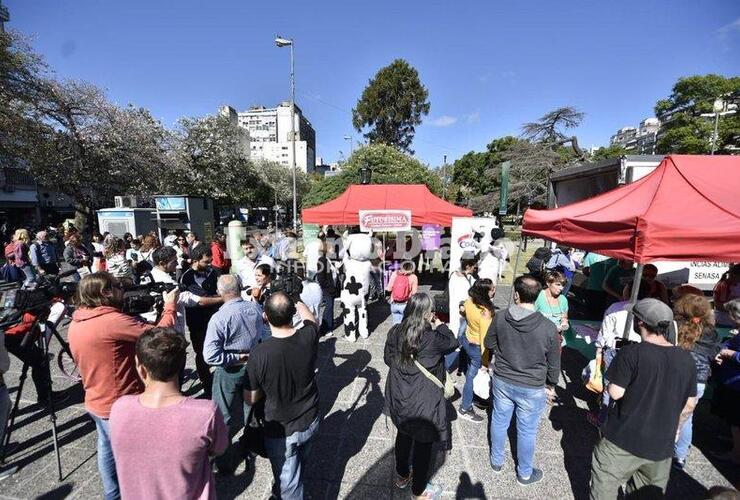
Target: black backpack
<point x="537" y="264"/>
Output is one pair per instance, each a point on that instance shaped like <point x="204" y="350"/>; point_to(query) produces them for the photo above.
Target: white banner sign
<point x="707" y="273"/>
<point x="385" y="220"/>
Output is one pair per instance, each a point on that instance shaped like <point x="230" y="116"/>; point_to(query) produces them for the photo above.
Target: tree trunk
<point x="83" y="220"/>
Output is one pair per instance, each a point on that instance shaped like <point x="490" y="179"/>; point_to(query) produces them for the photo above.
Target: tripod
<point x="35" y="334"/>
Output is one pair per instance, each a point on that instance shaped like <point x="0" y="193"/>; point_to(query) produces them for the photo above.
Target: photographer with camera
<point x="200" y="280"/>
<point x="165" y="264"/>
<point x="232" y="334"/>
<point x="102" y="339"/>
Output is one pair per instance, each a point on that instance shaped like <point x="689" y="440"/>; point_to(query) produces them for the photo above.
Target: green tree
<point x="684" y="130"/>
<point x="613" y="151"/>
<point x="392" y="105"/>
<point x="389" y="166"/>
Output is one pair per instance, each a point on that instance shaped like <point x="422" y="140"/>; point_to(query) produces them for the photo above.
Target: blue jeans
<point x="30" y="274"/>
<point x="288" y="456"/>
<point x="457" y="355"/>
<point x="474" y="364"/>
<point x="608" y="356"/>
<point x="397" y="309"/>
<point x="106" y="462"/>
<point x="681" y="448"/>
<point x="529" y="403"/>
<point x="228" y="387"/>
<point x="327" y="320"/>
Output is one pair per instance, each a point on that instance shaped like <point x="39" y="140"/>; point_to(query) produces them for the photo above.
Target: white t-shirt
<point x="311" y="296"/>
<point x="133" y="255"/>
<point x="612" y="328"/>
<point x="312" y="252"/>
<point x="245" y="269"/>
<point x="458" y="291"/>
<point x="185" y="299"/>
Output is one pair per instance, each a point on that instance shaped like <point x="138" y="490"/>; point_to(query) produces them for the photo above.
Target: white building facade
<point x="639" y="140"/>
<point x="269" y="136"/>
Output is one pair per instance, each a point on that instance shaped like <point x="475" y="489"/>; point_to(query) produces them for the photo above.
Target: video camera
<point x="17" y="300"/>
<point x="288" y="281"/>
<point x="147" y="297"/>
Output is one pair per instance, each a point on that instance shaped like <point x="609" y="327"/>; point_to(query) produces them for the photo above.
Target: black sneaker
<point x="678" y="464"/>
<point x="497" y="468"/>
<point x="470" y="415"/>
<point x="535" y="477"/>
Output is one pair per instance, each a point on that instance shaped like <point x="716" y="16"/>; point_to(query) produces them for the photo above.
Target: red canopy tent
<point x="426" y="208"/>
<point x="688" y="208"/>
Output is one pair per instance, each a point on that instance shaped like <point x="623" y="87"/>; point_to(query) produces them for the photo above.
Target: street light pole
<point x="351" y="144"/>
<point x="284" y="42"/>
<point x="444" y="176"/>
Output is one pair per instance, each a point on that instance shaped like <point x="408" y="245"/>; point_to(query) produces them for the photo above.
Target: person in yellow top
<point x="479" y="314"/>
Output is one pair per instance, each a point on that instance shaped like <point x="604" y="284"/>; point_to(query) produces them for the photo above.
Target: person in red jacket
<point x="103" y="340"/>
<point x="218" y="249"/>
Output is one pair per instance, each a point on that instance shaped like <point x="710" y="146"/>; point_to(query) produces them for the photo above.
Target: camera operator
<point x="200" y="279"/>
<point x="102" y="340"/>
<point x="165" y="264"/>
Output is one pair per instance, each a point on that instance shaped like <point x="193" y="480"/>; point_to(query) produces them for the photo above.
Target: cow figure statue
<point x="358" y="252"/>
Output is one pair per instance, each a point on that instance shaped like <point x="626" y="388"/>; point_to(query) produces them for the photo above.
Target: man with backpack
<point x="537" y="264"/>
<point x="402" y="284"/>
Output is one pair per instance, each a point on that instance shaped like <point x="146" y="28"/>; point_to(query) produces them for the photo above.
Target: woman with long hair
<point x="414" y="351"/>
<point x="696" y="334"/>
<point x="22" y="242"/>
<point x="478" y="314"/>
<point x="76" y="256"/>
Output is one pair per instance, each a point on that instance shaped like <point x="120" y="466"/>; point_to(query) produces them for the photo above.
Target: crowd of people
<point x="255" y="336"/>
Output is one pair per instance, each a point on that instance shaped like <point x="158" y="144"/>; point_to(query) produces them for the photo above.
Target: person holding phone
<point x="416" y="404"/>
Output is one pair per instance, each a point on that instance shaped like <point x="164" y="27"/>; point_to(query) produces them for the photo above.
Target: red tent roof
<point x="688" y="208"/>
<point x="426" y="208"/>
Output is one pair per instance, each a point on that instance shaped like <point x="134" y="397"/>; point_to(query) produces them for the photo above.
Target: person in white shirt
<point x="247" y="265"/>
<point x="459" y="284"/>
<point x="312" y="252"/>
<point x="610" y="339"/>
<point x="165" y="259"/>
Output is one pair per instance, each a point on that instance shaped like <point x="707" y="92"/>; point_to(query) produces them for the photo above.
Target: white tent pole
<point x="516" y="265"/>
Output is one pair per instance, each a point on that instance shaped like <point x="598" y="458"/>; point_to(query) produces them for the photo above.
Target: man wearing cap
<point x="653" y="391"/>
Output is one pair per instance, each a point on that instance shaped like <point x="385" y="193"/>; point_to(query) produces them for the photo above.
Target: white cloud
<point x="444" y="121"/>
<point x="473" y="117"/>
<point x="728" y="31"/>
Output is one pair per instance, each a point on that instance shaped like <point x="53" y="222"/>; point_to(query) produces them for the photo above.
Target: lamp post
<point x="720" y="108"/>
<point x="444" y="176"/>
<point x="285" y="42"/>
<point x="351" y="144"/>
<point x="366" y="174"/>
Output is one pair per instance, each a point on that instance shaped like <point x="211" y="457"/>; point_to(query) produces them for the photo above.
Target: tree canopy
<point x="389" y="166"/>
<point x="684" y="130"/>
<point x="392" y="105"/>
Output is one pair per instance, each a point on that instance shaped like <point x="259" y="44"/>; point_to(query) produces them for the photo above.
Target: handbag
<point x="595" y="381"/>
<point x="448" y="388"/>
<point x="253" y="437"/>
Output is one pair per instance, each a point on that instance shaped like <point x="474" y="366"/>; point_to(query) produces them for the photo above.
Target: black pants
<point x="420" y="461"/>
<point x="34" y="356"/>
<point x="197" y="338"/>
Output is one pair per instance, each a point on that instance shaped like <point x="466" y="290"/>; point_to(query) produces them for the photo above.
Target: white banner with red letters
<point x="385" y="220"/>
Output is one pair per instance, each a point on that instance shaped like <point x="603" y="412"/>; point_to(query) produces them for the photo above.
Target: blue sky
<point x="489" y="66"/>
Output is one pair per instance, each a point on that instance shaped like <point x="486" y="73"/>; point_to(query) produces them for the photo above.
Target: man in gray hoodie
<point x="526" y="351"/>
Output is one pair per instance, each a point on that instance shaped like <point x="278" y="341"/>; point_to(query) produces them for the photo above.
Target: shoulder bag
<point x="448" y="388"/>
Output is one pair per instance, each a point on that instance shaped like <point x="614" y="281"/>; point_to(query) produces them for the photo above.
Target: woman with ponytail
<point x="415" y="351"/>
<point x="696" y="334"/>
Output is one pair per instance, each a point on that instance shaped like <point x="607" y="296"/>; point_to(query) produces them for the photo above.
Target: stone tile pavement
<point x="353" y="454"/>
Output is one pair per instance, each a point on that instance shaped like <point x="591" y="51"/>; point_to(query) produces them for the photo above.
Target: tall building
<point x="4" y="17"/>
<point x="244" y="139"/>
<point x="639" y="140"/>
<point x="269" y="135"/>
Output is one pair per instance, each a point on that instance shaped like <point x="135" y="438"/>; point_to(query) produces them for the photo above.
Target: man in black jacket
<point x="526" y="368"/>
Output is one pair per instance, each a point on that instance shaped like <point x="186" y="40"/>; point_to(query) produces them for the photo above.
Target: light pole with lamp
<point x="285" y="42"/>
<point x="720" y="108"/>
<point x="351" y="144"/>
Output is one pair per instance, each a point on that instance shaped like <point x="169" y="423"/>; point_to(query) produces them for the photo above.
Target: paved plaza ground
<point x="353" y="454"/>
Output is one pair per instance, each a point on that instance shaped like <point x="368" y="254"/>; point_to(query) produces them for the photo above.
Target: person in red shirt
<point x="218" y="249"/>
<point x="102" y="340"/>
